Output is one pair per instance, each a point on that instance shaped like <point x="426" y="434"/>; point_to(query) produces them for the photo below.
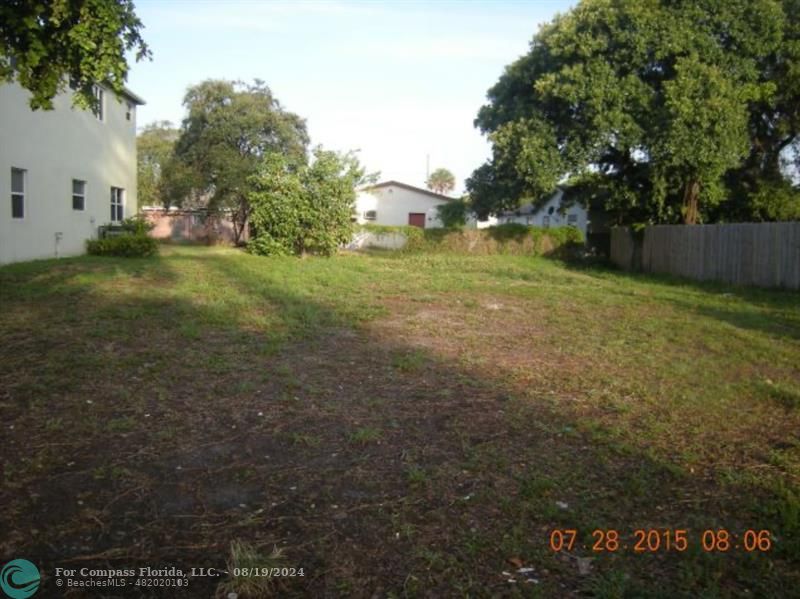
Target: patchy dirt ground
<point x="427" y="451"/>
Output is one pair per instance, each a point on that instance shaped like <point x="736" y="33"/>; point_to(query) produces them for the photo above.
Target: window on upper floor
<point x="78" y="194"/>
<point x="100" y="96"/>
<point x="18" y="192"/>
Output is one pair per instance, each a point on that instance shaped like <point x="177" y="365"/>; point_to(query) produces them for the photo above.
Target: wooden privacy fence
<point x="760" y="254"/>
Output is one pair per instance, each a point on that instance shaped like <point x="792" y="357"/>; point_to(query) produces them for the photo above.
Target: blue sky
<point x="396" y="80"/>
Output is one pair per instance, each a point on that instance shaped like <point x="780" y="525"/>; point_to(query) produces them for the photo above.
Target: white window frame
<point x="572" y="220"/>
<point x="117" y="204"/>
<point x="81" y="195"/>
<point x="19" y="194"/>
<point x="100" y="110"/>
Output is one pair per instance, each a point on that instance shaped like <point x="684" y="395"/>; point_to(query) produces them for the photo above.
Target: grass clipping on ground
<point x="251" y="573"/>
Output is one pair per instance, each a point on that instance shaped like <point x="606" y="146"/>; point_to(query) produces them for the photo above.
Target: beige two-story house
<point x="63" y="172"/>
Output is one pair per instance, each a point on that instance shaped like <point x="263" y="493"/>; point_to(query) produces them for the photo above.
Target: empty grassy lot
<point x="398" y="425"/>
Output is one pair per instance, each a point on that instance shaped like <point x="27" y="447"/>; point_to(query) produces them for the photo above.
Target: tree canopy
<point x="230" y="129"/>
<point x="664" y="111"/>
<point x="155" y="145"/>
<point x="441" y="181"/>
<point x="305" y="209"/>
<point x="46" y="45"/>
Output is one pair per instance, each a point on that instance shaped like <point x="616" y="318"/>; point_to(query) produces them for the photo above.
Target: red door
<point x="416" y="219"/>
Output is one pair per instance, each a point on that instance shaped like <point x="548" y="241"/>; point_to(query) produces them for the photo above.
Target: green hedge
<point x="414" y="235"/>
<point x="126" y="245"/>
<point x="512" y="238"/>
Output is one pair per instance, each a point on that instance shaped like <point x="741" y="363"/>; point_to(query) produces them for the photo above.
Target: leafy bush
<point x="415" y="237"/>
<point x="303" y="210"/>
<point x="558" y="235"/>
<point x="453" y="214"/>
<point x="510" y="232"/>
<point x="510" y="238"/>
<point x="776" y="201"/>
<point x="127" y="245"/>
<point x="264" y="245"/>
<point x="137" y="225"/>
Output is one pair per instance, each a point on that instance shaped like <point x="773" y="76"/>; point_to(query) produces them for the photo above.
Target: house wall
<point x="393" y="204"/>
<point x="55" y="147"/>
<point x="537" y="219"/>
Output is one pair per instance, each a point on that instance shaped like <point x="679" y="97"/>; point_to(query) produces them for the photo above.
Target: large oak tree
<point x="229" y="130"/>
<point x="46" y="45"/>
<point x="652" y="107"/>
<point x="155" y="146"/>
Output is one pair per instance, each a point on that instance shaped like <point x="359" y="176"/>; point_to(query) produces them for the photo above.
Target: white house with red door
<point x="63" y="172"/>
<point x="394" y="203"/>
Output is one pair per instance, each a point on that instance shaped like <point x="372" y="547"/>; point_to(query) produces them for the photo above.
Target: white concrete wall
<point x="393" y="205"/>
<point x="55" y="147"/>
<point x="386" y="241"/>
<point x="551" y="209"/>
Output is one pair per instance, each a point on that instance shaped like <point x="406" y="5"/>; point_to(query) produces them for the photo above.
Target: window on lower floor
<point x="117" y="203"/>
<point x="370" y="215"/>
<point x="78" y="194"/>
<point x="572" y="219"/>
<point x="546" y="221"/>
<point x="17" y="193"/>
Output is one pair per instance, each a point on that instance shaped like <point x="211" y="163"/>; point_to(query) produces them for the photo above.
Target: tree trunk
<point x="691" y="197"/>
<point x="237" y="230"/>
<point x="239" y="220"/>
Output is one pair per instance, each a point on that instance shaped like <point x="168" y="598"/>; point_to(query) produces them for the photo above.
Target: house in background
<point x="550" y="214"/>
<point x="394" y="203"/>
<point x="63" y="172"/>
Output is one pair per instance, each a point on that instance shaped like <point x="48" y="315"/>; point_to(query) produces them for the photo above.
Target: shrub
<point x="453" y="214"/>
<point x="511" y="232"/>
<point x="414" y="235"/>
<point x="127" y="245"/>
<point x="137" y="225"/>
<point x="510" y="238"/>
<point x="303" y="210"/>
<point x="264" y="245"/>
<point x="776" y="201"/>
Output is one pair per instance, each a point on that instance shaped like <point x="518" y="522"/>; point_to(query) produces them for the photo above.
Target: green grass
<point x="336" y="406"/>
<point x="365" y="435"/>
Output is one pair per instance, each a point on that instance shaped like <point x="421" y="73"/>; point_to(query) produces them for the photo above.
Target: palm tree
<point x="441" y="181"/>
